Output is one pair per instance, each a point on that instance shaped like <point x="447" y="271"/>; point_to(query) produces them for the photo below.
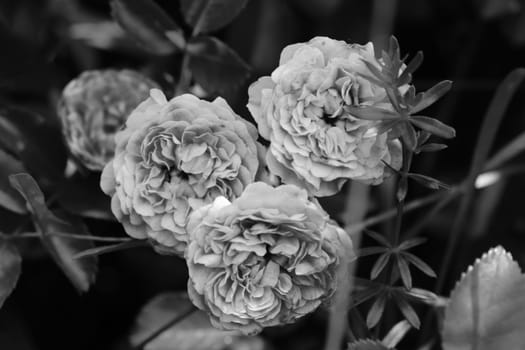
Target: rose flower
<point x="315" y="143"/>
<point x="94" y="106"/>
<point x="265" y="259"/>
<point x="173" y="157"/>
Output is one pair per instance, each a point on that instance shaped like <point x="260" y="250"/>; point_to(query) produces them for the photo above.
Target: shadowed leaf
<point x="433" y="126"/>
<point x="376" y="311"/>
<point x="432" y="95"/>
<point x="10" y="268"/>
<point x="209" y="15"/>
<point x="404" y="271"/>
<point x="9" y="198"/>
<point x="81" y="273"/>
<point x="215" y="65"/>
<point x="367" y="344"/>
<point x="379" y="265"/>
<point x="149" y="25"/>
<point x="408" y="312"/>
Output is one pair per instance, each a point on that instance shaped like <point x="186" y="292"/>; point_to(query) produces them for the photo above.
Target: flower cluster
<point x="190" y="176"/>
<point x="315" y="142"/>
<point x="94" y="106"/>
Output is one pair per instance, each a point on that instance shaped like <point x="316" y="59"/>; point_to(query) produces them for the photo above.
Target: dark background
<point x="473" y="43"/>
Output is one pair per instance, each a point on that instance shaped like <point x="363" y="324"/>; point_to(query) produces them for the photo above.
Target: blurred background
<point x="47" y="43"/>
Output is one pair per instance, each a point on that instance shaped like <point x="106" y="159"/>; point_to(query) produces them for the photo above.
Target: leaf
<point x="412" y="66"/>
<point x="411" y="243"/>
<point x="376" y="311"/>
<point x="377" y="237"/>
<point x="370" y="251"/>
<point x="431" y="147"/>
<point x="407" y="311"/>
<point x="190" y="328"/>
<point x="404" y="271"/>
<point x="209" y="15"/>
<point x="428" y="181"/>
<point x="507" y="152"/>
<point x="9" y="198"/>
<point x="10" y="268"/>
<point x="110" y="248"/>
<point x="432" y="95"/>
<point x="419" y="264"/>
<point x="396" y="333"/>
<point x="409" y="135"/>
<point x="486" y="309"/>
<point x="433" y="126"/>
<point x="367" y="344"/>
<point x="149" y="25"/>
<point x="81" y="273"/>
<point x="215" y="65"/>
<point x="372" y="113"/>
<point x="379" y="265"/>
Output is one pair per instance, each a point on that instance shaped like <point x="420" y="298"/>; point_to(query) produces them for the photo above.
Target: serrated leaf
<point x="432" y="95"/>
<point x="148" y="24"/>
<point x="215" y="65"/>
<point x="368" y="344"/>
<point x="9" y="198"/>
<point x="379" y="265"/>
<point x="376" y="311"/>
<point x="428" y="181"/>
<point x="419" y="264"/>
<point x="433" y="126"/>
<point x="407" y="311"/>
<point x="81" y="273"/>
<point x="190" y="330"/>
<point x="10" y="268"/>
<point x="209" y="15"/>
<point x="404" y="271"/>
<point x="486" y="309"/>
<point x="371" y="113"/>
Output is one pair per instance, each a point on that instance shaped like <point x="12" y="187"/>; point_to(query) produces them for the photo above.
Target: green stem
<point x="70" y="236"/>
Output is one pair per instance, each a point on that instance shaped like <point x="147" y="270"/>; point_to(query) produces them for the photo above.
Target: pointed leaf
<point x="422" y="137"/>
<point x="376" y="72"/>
<point x="404" y="271"/>
<point x="371" y="113"/>
<point x="110" y="248"/>
<point x="486" y="306"/>
<point x="411" y="67"/>
<point x="419" y="264"/>
<point x="376" y="311"/>
<point x="411" y="243"/>
<point x="428" y="181"/>
<point x="209" y="15"/>
<point x="370" y="251"/>
<point x="408" y="134"/>
<point x="215" y="65"/>
<point x="408" y="312"/>
<point x="432" y="95"/>
<point x="81" y="273"/>
<point x="368" y="344"/>
<point x="433" y="126"/>
<point x="377" y="237"/>
<point x="396" y="334"/>
<point x="10" y="268"/>
<point x="432" y="147"/>
<point x="10" y="198"/>
<point x="386" y="126"/>
<point x="379" y="265"/>
<point x="148" y="24"/>
<point x="427" y="297"/>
